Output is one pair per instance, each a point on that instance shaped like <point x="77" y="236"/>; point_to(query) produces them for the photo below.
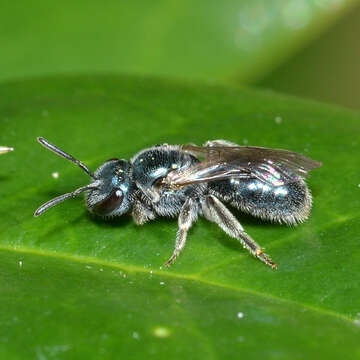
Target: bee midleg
<point x="215" y="211"/>
<point x="188" y="215"/>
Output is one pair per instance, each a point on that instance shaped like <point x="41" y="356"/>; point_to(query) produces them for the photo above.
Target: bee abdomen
<point x="289" y="203"/>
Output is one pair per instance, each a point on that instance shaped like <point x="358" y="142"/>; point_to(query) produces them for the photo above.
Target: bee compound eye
<point x="110" y="203"/>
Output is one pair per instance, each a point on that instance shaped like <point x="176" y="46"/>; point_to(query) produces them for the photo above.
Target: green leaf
<point x="73" y="286"/>
<point x="194" y="39"/>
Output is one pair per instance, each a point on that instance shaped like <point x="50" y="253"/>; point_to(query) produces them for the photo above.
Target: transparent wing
<point x="272" y="166"/>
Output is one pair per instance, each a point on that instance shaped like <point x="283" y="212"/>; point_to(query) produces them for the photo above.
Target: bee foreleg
<point x="188" y="215"/>
<point x="215" y="211"/>
<point x="141" y="214"/>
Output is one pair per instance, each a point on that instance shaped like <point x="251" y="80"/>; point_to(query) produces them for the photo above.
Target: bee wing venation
<point x="272" y="166"/>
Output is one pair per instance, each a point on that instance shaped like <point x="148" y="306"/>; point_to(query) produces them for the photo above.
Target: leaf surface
<point x="76" y="286"/>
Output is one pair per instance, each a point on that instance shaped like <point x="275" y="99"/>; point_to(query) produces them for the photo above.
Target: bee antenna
<point x="64" y="197"/>
<point x="65" y="155"/>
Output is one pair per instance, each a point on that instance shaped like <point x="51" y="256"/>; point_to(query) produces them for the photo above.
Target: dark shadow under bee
<point x="187" y="181"/>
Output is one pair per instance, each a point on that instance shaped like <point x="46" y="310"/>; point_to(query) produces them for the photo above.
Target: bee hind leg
<point x="215" y="211"/>
<point x="188" y="215"/>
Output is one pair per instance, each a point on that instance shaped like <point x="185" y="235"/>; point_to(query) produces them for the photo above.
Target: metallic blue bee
<point x="188" y="180"/>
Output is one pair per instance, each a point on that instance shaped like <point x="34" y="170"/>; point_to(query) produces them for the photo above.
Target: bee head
<point x="109" y="193"/>
<point x="113" y="195"/>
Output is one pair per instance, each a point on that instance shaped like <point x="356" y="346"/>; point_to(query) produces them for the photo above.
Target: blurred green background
<point x="304" y="47"/>
<point x="328" y="69"/>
